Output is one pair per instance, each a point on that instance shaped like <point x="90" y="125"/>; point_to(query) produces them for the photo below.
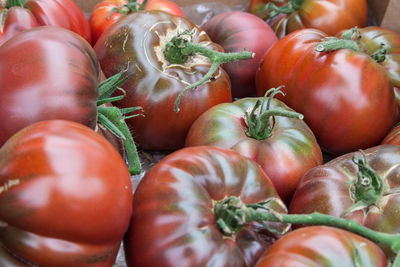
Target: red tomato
<point x="393" y="136"/>
<point x="33" y="13"/>
<point x="285" y="155"/>
<point x="136" y="44"/>
<point x="173" y="222"/>
<point x="342" y="94"/>
<point x="323" y="247"/>
<point x="66" y="197"/>
<point x="331" y="189"/>
<point x="101" y="16"/>
<point x="47" y="73"/>
<point x="236" y="31"/>
<point x="329" y="16"/>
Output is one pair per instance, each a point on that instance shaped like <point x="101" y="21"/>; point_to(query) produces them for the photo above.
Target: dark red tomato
<point x="322" y="246"/>
<point x="393" y="136"/>
<point x="331" y="189"/>
<point x="136" y="44"/>
<point x="47" y="73"/>
<point x="18" y="16"/>
<point x="173" y="222"/>
<point x="101" y="18"/>
<point x="289" y="151"/>
<point x="329" y="16"/>
<point x="342" y="94"/>
<point x="66" y="197"/>
<point x="236" y="31"/>
<point x="385" y="45"/>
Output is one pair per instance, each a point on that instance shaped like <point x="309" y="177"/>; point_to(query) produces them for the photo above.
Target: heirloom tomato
<point x="285" y="148"/>
<point x="329" y="16"/>
<point x="174" y="218"/>
<point x="108" y="12"/>
<point x="346" y="97"/>
<point x="322" y="246"/>
<point x="360" y="186"/>
<point x="19" y="15"/>
<point x="137" y="45"/>
<point x="236" y="31"/>
<point x="65" y="197"/>
<point x="393" y="136"/>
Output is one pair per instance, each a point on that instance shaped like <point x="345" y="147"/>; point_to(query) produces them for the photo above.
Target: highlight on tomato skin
<point x="66" y="197"/>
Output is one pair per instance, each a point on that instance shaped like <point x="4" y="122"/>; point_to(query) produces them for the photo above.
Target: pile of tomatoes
<point x="279" y="126"/>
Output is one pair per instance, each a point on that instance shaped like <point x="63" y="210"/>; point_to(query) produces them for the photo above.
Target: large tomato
<point x="136" y="44"/>
<point x="19" y="15"/>
<point x="103" y="16"/>
<point x="47" y="73"/>
<point x="289" y="150"/>
<point x="174" y="221"/>
<point x="66" y="197"/>
<point x="343" y="188"/>
<point x="345" y="96"/>
<point x="323" y="247"/>
<point x="329" y="16"/>
<point x="236" y="31"/>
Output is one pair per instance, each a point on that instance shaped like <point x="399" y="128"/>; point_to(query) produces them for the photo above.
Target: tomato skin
<point x="47" y="73"/>
<point x="135" y="44"/>
<point x="98" y="17"/>
<point x="393" y="136"/>
<point x="325" y="189"/>
<point x="62" y="203"/>
<point x="322" y="246"/>
<point x="236" y="31"/>
<point x="62" y="13"/>
<point x="285" y="156"/>
<point x="173" y="222"/>
<point x="329" y="16"/>
<point x="342" y="94"/>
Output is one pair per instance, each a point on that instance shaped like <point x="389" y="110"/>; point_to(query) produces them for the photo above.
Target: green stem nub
<point x="380" y="54"/>
<point x="131" y="7"/>
<point x="261" y="120"/>
<point x="349" y="40"/>
<point x="289" y="8"/>
<point x="180" y="48"/>
<point x="113" y="118"/>
<point x="12" y="3"/>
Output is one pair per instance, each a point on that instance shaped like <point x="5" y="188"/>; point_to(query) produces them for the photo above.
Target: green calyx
<point x="113" y="118"/>
<point x="131" y="7"/>
<point x="289" y="8"/>
<point x="367" y="189"/>
<point x="12" y="3"/>
<point x="261" y="120"/>
<point x="380" y="54"/>
<point x="180" y="48"/>
<point x="232" y="215"/>
<point x="349" y="40"/>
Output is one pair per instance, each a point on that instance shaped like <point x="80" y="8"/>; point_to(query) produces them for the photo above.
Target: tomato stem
<point x="259" y="123"/>
<point x="289" y="8"/>
<point x="131" y="7"/>
<point x="180" y="48"/>
<point x="349" y="40"/>
<point x="12" y="3"/>
<point x="241" y="214"/>
<point x="380" y="54"/>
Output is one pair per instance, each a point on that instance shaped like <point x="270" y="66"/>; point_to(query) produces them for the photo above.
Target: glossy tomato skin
<point x="136" y="44"/>
<point x="285" y="156"/>
<point x="236" y="31"/>
<point x="173" y="223"/>
<point x="393" y="136"/>
<point x="62" y="13"/>
<point x="326" y="188"/>
<point x="66" y="199"/>
<point x="326" y="15"/>
<point x="47" y="73"/>
<point x="322" y="246"/>
<point x="99" y="22"/>
<point x="342" y="94"/>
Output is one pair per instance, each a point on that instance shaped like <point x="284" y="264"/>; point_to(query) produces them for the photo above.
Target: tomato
<point x="173" y="222"/>
<point x="285" y="155"/>
<point x="329" y="16"/>
<point x="322" y="246"/>
<point x="47" y="73"/>
<point x="393" y="136"/>
<point x="66" y="197"/>
<point x="330" y="189"/>
<point x="17" y="16"/>
<point x="136" y="44"/>
<point x="102" y="16"/>
<point x="342" y="94"/>
<point x="236" y="31"/>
